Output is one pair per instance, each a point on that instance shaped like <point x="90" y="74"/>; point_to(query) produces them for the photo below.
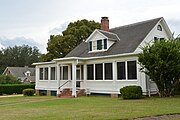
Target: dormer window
<point x="98" y="45"/>
<point x="159" y="28"/>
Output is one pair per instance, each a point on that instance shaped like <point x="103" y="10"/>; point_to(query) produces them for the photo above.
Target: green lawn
<point x="84" y="108"/>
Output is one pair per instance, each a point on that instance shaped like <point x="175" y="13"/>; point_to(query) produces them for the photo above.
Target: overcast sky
<point x="32" y="21"/>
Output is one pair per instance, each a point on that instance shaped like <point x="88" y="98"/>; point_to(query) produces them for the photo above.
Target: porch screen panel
<point x="90" y="72"/>
<point x="98" y="71"/>
<point x="108" y="71"/>
<point x="65" y="72"/>
<point x="121" y="72"/>
<point x="53" y="73"/>
<point x="40" y="73"/>
<point x="132" y="70"/>
<point x="46" y="73"/>
<point x="82" y="72"/>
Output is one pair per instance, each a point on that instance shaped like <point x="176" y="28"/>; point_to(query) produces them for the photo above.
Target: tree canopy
<point x="60" y="45"/>
<point x="161" y="62"/>
<point x="18" y="56"/>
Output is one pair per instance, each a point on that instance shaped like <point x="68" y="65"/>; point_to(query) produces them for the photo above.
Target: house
<point x="25" y="74"/>
<point x="105" y="62"/>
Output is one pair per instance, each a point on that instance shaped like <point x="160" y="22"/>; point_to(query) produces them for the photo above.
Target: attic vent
<point x="159" y="28"/>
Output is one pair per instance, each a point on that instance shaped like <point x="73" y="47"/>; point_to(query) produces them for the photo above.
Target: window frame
<point x="123" y="71"/>
<point x="106" y="72"/>
<point x="89" y="77"/>
<point x="131" y="77"/>
<point x="99" y="71"/>
<point x="99" y="44"/>
<point x="54" y="74"/>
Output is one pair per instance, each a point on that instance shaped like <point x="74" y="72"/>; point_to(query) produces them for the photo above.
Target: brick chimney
<point x="105" y="23"/>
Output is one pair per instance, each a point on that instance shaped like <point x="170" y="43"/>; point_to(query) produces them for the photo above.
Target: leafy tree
<point x="161" y="62"/>
<point x="8" y="79"/>
<point x="76" y="32"/>
<point x="18" y="56"/>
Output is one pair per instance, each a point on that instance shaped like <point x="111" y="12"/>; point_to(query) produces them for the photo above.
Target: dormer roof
<point x="109" y="35"/>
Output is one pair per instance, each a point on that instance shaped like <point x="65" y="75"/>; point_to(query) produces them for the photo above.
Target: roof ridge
<point x="136" y="23"/>
<point x="107" y="32"/>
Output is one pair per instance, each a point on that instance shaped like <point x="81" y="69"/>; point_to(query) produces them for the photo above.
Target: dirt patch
<point x="162" y="117"/>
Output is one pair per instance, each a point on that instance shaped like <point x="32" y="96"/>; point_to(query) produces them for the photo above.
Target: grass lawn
<point x="84" y="108"/>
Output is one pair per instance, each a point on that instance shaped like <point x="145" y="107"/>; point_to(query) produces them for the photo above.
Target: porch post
<point x="74" y="79"/>
<point x="58" y="79"/>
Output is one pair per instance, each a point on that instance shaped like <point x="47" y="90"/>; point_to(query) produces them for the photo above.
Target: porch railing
<point x="64" y="84"/>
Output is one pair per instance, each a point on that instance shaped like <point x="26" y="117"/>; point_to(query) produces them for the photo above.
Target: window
<point x="65" y="72"/>
<point x="121" y="72"/>
<point x="99" y="71"/>
<point x="105" y="43"/>
<point x="40" y="73"/>
<point x="53" y="73"/>
<point x="156" y="38"/>
<point x="108" y="71"/>
<point x="45" y="73"/>
<point x="132" y="70"/>
<point x="90" y="72"/>
<point x="90" y="46"/>
<point x="99" y="44"/>
<point x="159" y="28"/>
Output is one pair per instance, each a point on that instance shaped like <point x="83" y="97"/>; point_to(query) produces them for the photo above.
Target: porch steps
<point x="67" y="93"/>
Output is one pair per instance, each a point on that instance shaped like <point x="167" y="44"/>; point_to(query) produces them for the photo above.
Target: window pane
<point x="105" y="43"/>
<point x="41" y="73"/>
<point x="108" y="71"/>
<point x="53" y="73"/>
<point x="99" y="44"/>
<point x="99" y="71"/>
<point x="132" y="70"/>
<point x="121" y="74"/>
<point x="45" y="73"/>
<point x="65" y="72"/>
<point x="90" y="72"/>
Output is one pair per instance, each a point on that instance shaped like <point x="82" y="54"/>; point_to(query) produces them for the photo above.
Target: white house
<point x="105" y="62"/>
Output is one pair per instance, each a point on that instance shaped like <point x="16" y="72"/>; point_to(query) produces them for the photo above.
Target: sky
<point x="31" y="22"/>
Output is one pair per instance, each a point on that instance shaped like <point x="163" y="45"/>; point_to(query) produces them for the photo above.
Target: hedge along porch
<point x="105" y="62"/>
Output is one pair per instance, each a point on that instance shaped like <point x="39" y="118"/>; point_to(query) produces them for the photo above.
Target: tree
<point x="18" y="56"/>
<point x="60" y="45"/>
<point x="8" y="79"/>
<point x="161" y="62"/>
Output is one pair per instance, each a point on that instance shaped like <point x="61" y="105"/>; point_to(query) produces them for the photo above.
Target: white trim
<point x="44" y="63"/>
<point x="96" y="30"/>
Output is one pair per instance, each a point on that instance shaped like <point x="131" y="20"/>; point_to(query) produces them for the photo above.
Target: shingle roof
<point x="20" y="71"/>
<point x="110" y="35"/>
<point x="130" y="38"/>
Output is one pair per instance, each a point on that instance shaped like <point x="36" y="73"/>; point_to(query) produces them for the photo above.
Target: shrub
<point x="28" y="92"/>
<point x="177" y="88"/>
<point x="14" y="88"/>
<point x="131" y="92"/>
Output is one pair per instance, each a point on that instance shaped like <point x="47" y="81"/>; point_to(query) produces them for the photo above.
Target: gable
<point x="95" y="36"/>
<point x="155" y="33"/>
